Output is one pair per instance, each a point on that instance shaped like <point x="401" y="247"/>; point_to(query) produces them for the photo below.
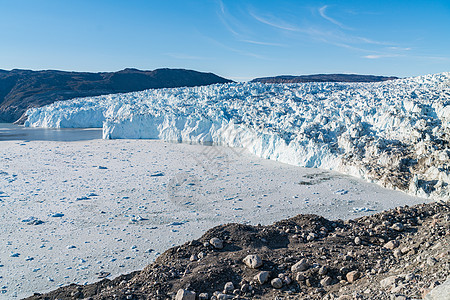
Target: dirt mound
<point x="397" y="254"/>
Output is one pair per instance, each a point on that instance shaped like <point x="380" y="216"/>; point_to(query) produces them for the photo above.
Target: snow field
<point x="74" y="212"/>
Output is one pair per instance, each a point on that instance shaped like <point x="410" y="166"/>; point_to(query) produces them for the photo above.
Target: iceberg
<point x="395" y="133"/>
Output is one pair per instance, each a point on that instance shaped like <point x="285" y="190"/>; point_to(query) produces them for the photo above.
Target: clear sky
<point x="238" y="39"/>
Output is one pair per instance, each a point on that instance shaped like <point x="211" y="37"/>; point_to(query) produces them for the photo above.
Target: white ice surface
<point x="104" y="203"/>
<point x="366" y="129"/>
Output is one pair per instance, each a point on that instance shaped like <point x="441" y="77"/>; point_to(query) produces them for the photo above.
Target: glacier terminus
<point x="394" y="133"/>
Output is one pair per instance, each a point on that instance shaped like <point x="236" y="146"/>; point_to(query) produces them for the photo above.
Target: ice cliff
<point x="395" y="133"/>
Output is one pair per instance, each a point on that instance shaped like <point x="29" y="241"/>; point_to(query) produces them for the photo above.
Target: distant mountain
<point x="323" y="78"/>
<point x="23" y="89"/>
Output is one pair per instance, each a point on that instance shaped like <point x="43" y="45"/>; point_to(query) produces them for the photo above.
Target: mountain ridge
<point x="22" y="89"/>
<point x="323" y="78"/>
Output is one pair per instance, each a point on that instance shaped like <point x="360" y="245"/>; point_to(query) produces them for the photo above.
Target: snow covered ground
<point x="73" y="212"/>
<point x="395" y="133"/>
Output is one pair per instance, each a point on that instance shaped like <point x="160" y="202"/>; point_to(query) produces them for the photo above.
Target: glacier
<point x="394" y="133"/>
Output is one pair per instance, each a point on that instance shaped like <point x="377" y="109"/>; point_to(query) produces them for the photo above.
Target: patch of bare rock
<point x="400" y="254"/>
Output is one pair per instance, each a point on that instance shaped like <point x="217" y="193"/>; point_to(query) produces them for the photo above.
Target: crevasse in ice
<point x="395" y="133"/>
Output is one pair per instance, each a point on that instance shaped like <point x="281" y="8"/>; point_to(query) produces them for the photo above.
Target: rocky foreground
<point x="398" y="254"/>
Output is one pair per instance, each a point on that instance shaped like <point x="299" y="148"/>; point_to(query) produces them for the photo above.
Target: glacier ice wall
<point x="395" y="133"/>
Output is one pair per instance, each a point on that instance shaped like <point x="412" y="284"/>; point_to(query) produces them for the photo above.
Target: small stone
<point x="311" y="236"/>
<point x="262" y="277"/>
<point x="405" y="250"/>
<point x="277" y="283"/>
<point x="185" y="295"/>
<point x="216" y="243"/>
<point x="398" y="227"/>
<point x="357" y="241"/>
<point x="326" y="281"/>
<point x="308" y="282"/>
<point x="388" y="281"/>
<point x="228" y="288"/>
<point x="203" y="296"/>
<point x="300" y="277"/>
<point x="300" y="266"/>
<point x="253" y="261"/>
<point x="353" y="276"/>
<point x="397" y="253"/>
<point x="391" y="244"/>
<point x="193" y="257"/>
<point x="409" y="277"/>
<point x="323" y="270"/>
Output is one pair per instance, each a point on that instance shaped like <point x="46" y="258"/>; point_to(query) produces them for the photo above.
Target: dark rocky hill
<point x="22" y="89"/>
<point x="323" y="78"/>
<point x="402" y="253"/>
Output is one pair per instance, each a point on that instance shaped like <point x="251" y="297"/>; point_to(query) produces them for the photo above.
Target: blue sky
<point x="240" y="40"/>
